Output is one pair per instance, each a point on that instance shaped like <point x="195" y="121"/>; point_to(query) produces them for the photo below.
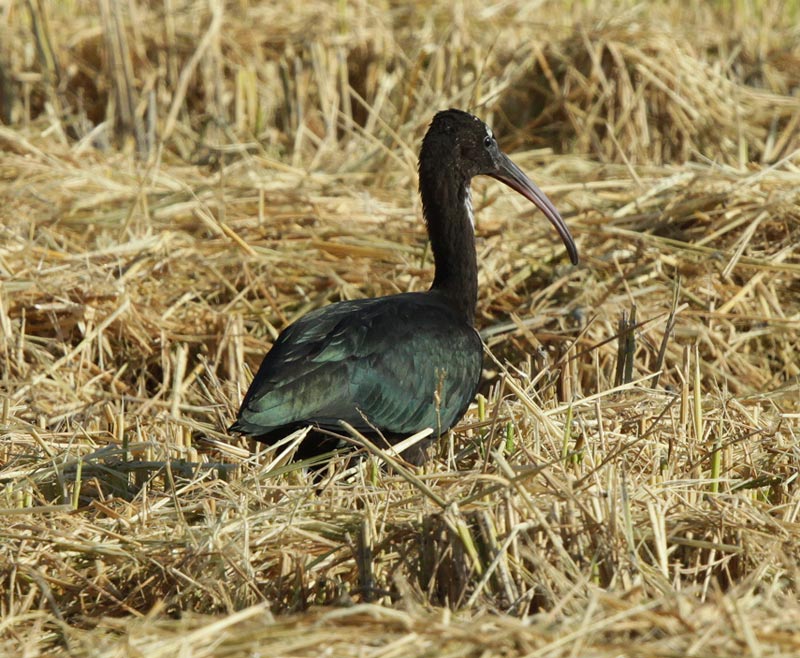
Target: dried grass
<point x="627" y="483"/>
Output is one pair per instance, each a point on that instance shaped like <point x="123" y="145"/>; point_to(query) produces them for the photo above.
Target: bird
<point x="393" y="366"/>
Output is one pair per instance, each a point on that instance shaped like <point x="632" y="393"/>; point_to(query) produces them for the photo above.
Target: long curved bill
<point x="515" y="178"/>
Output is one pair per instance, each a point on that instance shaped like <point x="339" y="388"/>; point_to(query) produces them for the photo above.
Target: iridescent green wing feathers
<point x="371" y="363"/>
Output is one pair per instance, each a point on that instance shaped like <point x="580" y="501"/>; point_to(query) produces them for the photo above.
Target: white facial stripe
<point x="468" y="207"/>
<point x="489" y="133"/>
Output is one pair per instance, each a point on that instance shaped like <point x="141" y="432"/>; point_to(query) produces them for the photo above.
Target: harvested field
<point x="180" y="181"/>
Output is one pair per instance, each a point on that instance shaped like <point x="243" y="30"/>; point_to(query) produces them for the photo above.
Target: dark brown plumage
<point x="395" y="365"/>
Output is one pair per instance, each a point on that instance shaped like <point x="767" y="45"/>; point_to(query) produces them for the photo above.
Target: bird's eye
<point x="487" y="141"/>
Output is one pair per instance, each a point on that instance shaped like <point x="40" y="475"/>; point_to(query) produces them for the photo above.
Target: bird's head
<point x="465" y="144"/>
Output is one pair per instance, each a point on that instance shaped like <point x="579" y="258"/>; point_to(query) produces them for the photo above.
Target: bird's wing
<point x="398" y="366"/>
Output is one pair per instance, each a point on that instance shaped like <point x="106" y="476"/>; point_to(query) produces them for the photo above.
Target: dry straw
<point x="181" y="181"/>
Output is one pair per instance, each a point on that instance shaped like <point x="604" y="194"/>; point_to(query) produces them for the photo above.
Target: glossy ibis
<point x="396" y="365"/>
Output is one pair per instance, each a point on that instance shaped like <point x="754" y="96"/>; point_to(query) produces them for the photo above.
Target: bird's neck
<point x="447" y="206"/>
